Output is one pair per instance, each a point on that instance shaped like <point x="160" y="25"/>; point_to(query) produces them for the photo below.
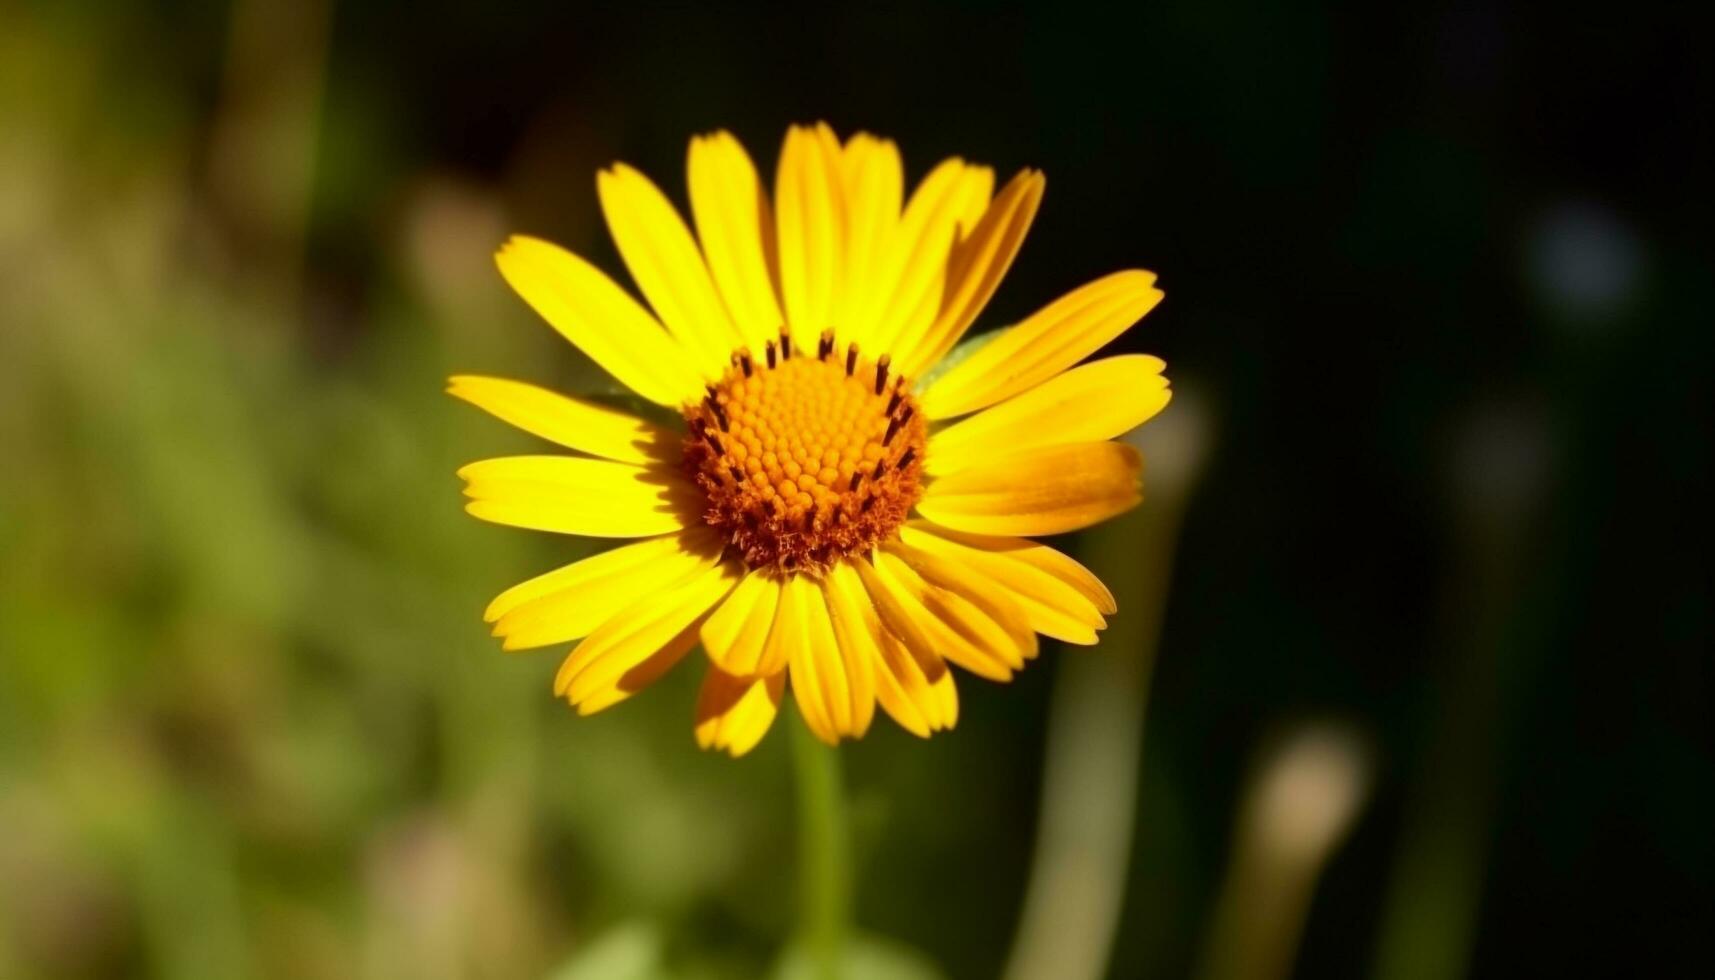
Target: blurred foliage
<point x="1436" y="266"/>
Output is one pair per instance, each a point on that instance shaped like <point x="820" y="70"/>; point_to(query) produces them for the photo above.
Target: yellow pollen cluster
<point x="806" y="456"/>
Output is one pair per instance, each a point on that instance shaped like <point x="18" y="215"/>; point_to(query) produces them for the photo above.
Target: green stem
<point x="824" y="852"/>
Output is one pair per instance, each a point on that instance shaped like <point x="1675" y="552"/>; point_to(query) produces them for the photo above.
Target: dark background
<point x="1438" y="274"/>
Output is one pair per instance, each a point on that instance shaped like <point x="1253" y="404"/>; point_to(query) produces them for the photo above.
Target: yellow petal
<point x="790" y="625"/>
<point x="573" y="601"/>
<point x="737" y="633"/>
<point x="914" y="687"/>
<point x="1048" y="341"/>
<point x="1051" y="606"/>
<point x="900" y="613"/>
<point x="996" y="605"/>
<point x="581" y="573"/>
<point x="1037" y="555"/>
<point x="733" y="713"/>
<point x="600" y="319"/>
<point x="584" y="426"/>
<point x="610" y="690"/>
<point x="736" y="228"/>
<point x="900" y="689"/>
<point x="919" y="315"/>
<point x="668" y="268"/>
<point x="960" y="631"/>
<point x="909" y="647"/>
<point x="875" y="187"/>
<point x="907" y="693"/>
<point x="619" y="561"/>
<point x="818" y="667"/>
<point x="973" y="204"/>
<point x="914" y="271"/>
<point x="573" y="495"/>
<point x="1050" y="490"/>
<point x="1091" y="402"/>
<point x="639" y="644"/>
<point x="809" y="685"/>
<point x="809" y="202"/>
<point x="975" y="269"/>
<point x="850" y="613"/>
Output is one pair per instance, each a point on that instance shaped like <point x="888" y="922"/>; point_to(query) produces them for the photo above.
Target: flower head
<point x="823" y="519"/>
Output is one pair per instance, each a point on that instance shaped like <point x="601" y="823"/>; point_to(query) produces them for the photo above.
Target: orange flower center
<point x="806" y="458"/>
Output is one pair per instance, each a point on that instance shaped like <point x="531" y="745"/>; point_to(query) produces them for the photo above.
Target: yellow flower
<point x="820" y="515"/>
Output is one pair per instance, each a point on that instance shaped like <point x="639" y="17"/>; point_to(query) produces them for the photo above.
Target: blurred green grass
<point x="250" y="721"/>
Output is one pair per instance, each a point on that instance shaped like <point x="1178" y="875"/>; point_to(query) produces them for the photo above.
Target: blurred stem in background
<point x="824" y="853"/>
<point x="266" y="133"/>
<point x="1500" y="465"/>
<point x="1095" y="725"/>
<point x="1301" y="800"/>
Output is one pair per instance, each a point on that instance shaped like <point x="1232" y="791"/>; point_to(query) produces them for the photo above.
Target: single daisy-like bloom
<point x="835" y="514"/>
